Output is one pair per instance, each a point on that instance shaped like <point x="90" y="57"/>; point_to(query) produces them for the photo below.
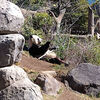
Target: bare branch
<point x="97" y="23"/>
<point x="61" y="15"/>
<point x="53" y="15"/>
<point x="74" y="22"/>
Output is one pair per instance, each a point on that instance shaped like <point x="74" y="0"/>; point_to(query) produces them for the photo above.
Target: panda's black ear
<point x="30" y="36"/>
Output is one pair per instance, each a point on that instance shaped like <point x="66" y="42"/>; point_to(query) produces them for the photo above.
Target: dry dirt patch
<point x="35" y="64"/>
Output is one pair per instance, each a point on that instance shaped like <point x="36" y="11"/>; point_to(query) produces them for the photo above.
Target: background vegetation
<point x="75" y="21"/>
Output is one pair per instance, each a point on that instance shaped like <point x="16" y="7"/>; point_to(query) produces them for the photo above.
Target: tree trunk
<point x="59" y="19"/>
<point x="98" y="25"/>
<point x="90" y="22"/>
<point x="58" y="28"/>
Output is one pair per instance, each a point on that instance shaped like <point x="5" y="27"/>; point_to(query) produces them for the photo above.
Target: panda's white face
<point x="36" y="39"/>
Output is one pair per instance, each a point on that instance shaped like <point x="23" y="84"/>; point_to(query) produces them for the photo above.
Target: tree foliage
<point x="30" y="4"/>
<point x="41" y="20"/>
<point x="76" y="11"/>
<point x="77" y="16"/>
<point x="38" y="24"/>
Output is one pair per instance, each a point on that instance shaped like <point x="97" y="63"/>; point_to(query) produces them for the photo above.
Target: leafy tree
<point x="67" y="13"/>
<point x="29" y="4"/>
<point x="29" y="30"/>
<point x="77" y="16"/>
<point x="42" y="21"/>
<point x="37" y="24"/>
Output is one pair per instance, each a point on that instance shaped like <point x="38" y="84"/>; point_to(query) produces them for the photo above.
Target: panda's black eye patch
<point x="38" y="40"/>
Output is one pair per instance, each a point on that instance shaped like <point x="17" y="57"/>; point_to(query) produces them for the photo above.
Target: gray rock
<point x="11" y="47"/>
<point x="11" y="74"/>
<point x="48" y="84"/>
<point x="85" y="78"/>
<point x="21" y="90"/>
<point x="11" y="18"/>
<point x="52" y="73"/>
<point x="15" y="85"/>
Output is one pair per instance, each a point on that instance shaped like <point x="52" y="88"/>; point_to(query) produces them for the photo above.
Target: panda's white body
<point x="49" y="54"/>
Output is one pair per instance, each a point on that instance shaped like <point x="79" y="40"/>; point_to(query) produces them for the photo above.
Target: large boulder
<point x="48" y="84"/>
<point x="11" y="18"/>
<point x="21" y="90"/>
<point x="11" y="47"/>
<point x="11" y="74"/>
<point x="15" y="85"/>
<point x="85" y="78"/>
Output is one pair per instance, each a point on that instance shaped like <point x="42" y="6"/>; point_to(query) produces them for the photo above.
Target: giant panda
<point x="39" y="52"/>
<point x="34" y="49"/>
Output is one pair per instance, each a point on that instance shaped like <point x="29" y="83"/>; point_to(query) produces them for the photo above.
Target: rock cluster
<point x="48" y="83"/>
<point x="14" y="82"/>
<point x="85" y="78"/>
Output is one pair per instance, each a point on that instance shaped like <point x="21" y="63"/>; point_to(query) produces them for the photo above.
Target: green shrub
<point x="93" y="53"/>
<point x="42" y="20"/>
<point x="64" y="44"/>
<point x="61" y="43"/>
<point x="78" y="50"/>
<point x="39" y="24"/>
<point x="87" y="51"/>
<point x="28" y="29"/>
<point x="58" y="67"/>
<point x="30" y="4"/>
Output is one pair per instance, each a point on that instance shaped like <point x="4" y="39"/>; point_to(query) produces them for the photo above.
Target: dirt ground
<point x="38" y="66"/>
<point x="34" y="63"/>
